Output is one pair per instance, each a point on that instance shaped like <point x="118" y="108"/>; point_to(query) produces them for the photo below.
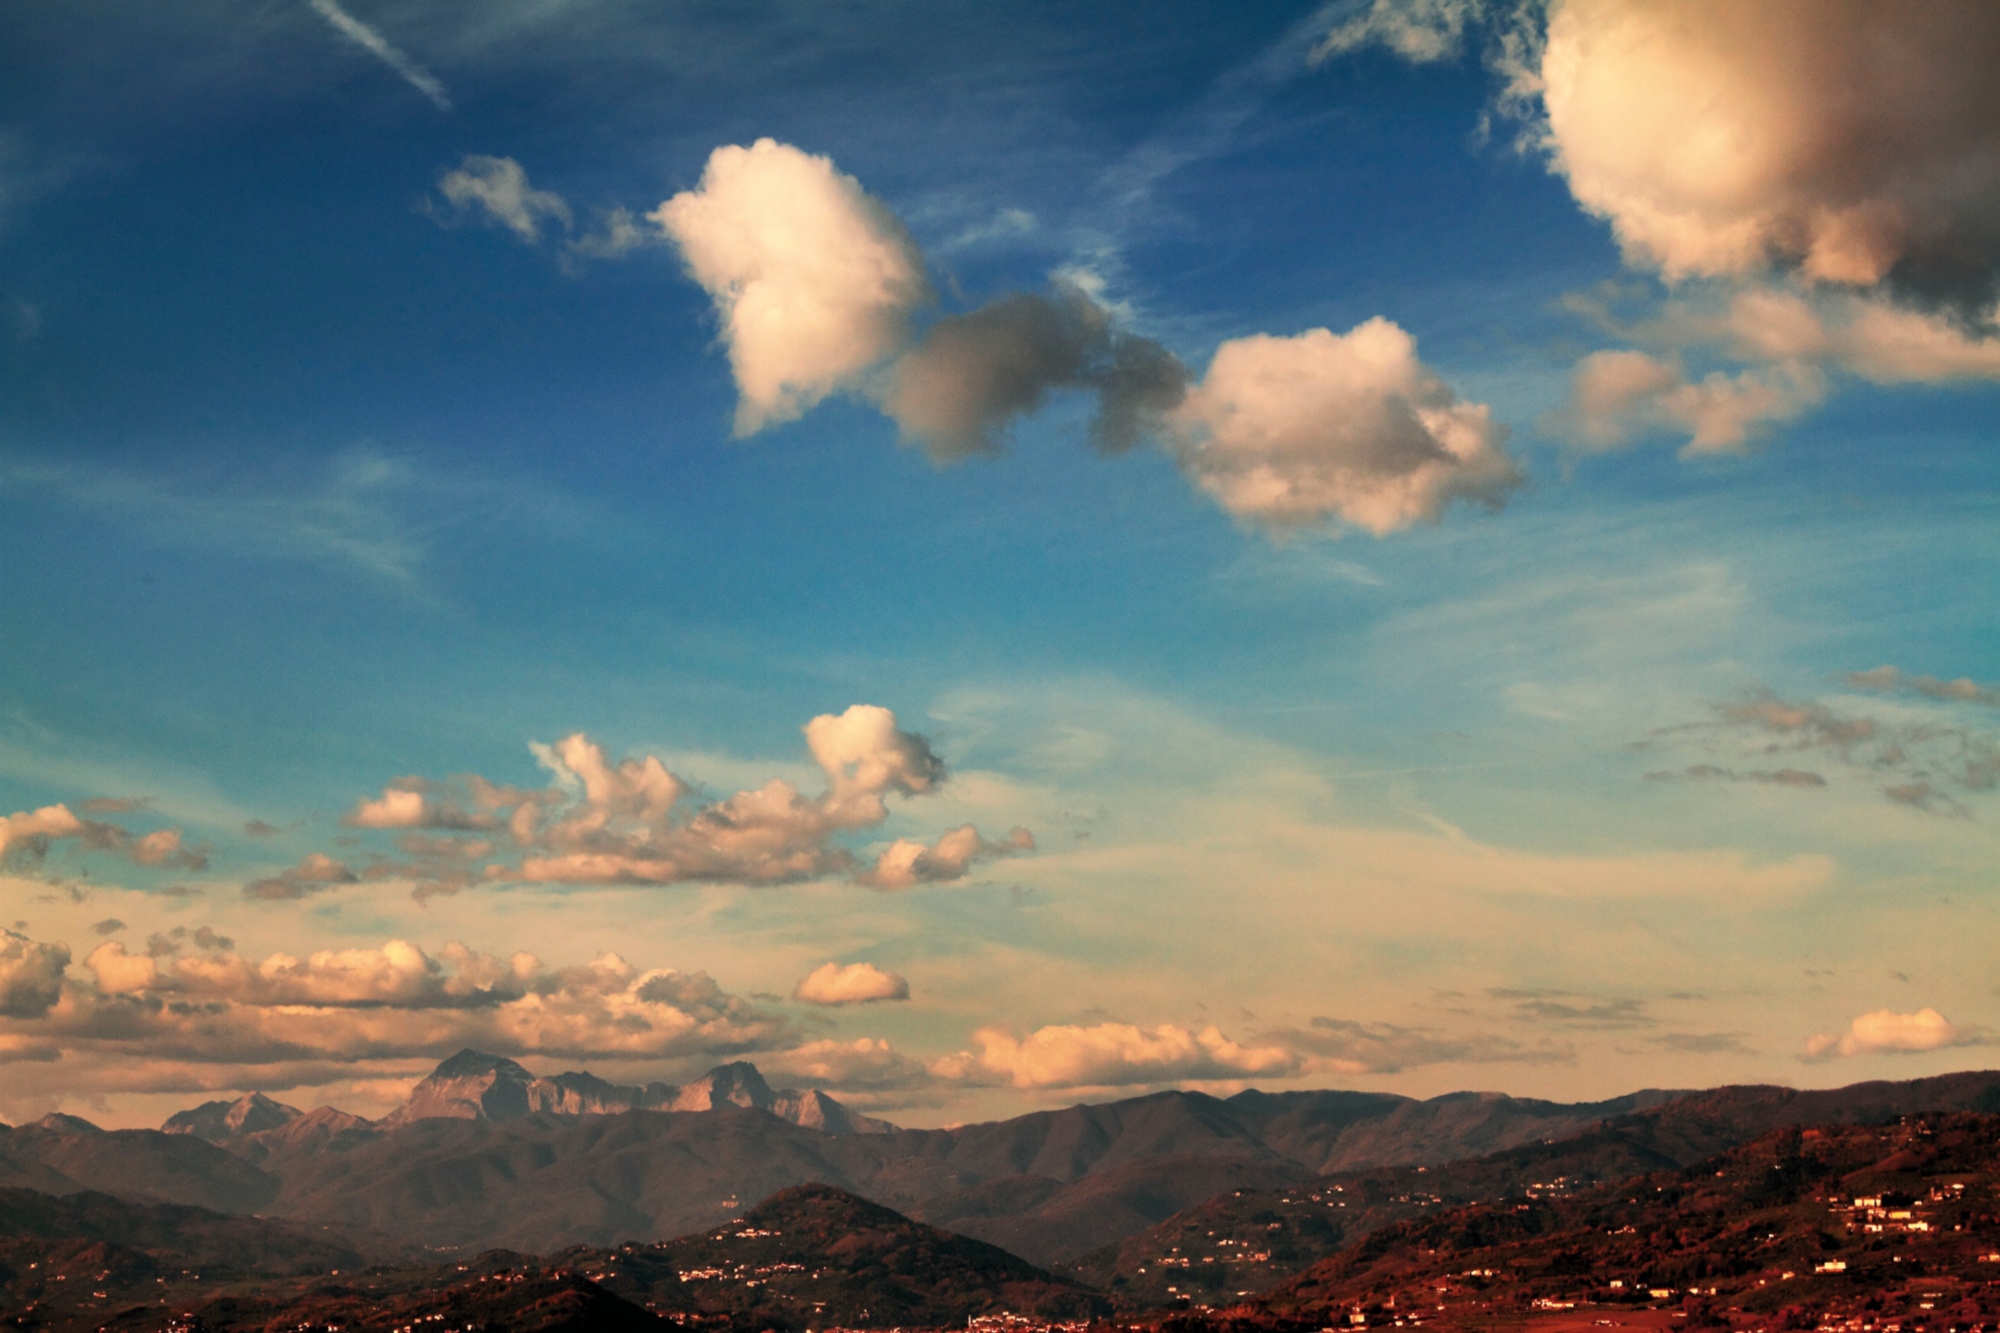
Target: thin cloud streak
<point x="378" y="46"/>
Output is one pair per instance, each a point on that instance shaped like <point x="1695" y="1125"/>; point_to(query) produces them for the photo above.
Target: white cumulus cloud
<point x="1349" y="427"/>
<point x="906" y="863"/>
<point x="813" y="278"/>
<point x="1885" y="1030"/>
<point x="853" y="983"/>
<point x="1854" y="142"/>
<point x="1111" y="1055"/>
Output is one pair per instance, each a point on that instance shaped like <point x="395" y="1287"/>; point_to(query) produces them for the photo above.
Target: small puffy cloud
<point x="1620" y="393"/>
<point x="164" y="847"/>
<point x="956" y="391"/>
<point x="1893" y="680"/>
<point x="1852" y="142"/>
<point x="31" y="975"/>
<point x="1885" y="1030"/>
<point x="26" y="835"/>
<point x="1786" y="343"/>
<point x="28" y="831"/>
<point x="854" y="983"/>
<point x="907" y="862"/>
<point x="496" y="189"/>
<point x="394" y="808"/>
<point x="865" y="756"/>
<point x="867" y="1064"/>
<point x="1352" y="427"/>
<point x="814" y="279"/>
<point x="1111" y="1055"/>
<point x="314" y="873"/>
<point x="110" y="925"/>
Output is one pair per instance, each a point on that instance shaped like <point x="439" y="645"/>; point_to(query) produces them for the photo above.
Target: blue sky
<point x="322" y="478"/>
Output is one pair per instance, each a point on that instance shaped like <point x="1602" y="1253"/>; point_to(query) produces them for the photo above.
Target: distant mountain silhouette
<point x="814" y="1255"/>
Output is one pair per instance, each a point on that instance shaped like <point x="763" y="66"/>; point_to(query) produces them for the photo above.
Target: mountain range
<point x="485" y="1154"/>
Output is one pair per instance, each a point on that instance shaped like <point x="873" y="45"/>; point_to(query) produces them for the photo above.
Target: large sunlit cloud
<point x="1353" y="427"/>
<point x="1111" y="1055"/>
<point x="906" y="863"/>
<point x="853" y="983"/>
<point x="1886" y="1031"/>
<point x="1854" y="142"/>
<point x="1827" y="169"/>
<point x="813" y="278"/>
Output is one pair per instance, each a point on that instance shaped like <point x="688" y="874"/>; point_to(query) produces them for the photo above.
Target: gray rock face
<point x="815" y="1110"/>
<point x="735" y="1084"/>
<point x="469" y="1086"/>
<point x="475" y="1086"/>
<point x="226" y="1122"/>
<point x="587" y="1094"/>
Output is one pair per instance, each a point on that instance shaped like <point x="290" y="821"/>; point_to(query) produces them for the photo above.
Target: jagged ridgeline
<point x="473" y="1085"/>
<point x="487" y="1154"/>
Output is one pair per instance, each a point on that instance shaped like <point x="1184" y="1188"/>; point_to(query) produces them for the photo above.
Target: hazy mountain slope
<point x="224" y="1122"/>
<point x="185" y="1236"/>
<point x="817" y="1256"/>
<point x="66" y="1154"/>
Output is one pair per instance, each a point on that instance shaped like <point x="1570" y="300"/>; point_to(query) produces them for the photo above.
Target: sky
<point x="981" y="558"/>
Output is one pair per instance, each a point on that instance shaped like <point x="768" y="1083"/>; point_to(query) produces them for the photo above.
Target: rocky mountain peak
<point x="471" y="1085"/>
<point x="224" y="1122"/>
<point x="66" y="1124"/>
<point x="735" y="1084"/>
<point x="469" y="1063"/>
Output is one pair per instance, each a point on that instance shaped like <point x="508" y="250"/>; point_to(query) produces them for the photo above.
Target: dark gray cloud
<point x="971" y="375"/>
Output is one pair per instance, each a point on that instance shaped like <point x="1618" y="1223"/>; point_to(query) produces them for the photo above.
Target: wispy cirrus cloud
<point x="360" y="510"/>
<point x="373" y="42"/>
<point x="1919" y="762"/>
